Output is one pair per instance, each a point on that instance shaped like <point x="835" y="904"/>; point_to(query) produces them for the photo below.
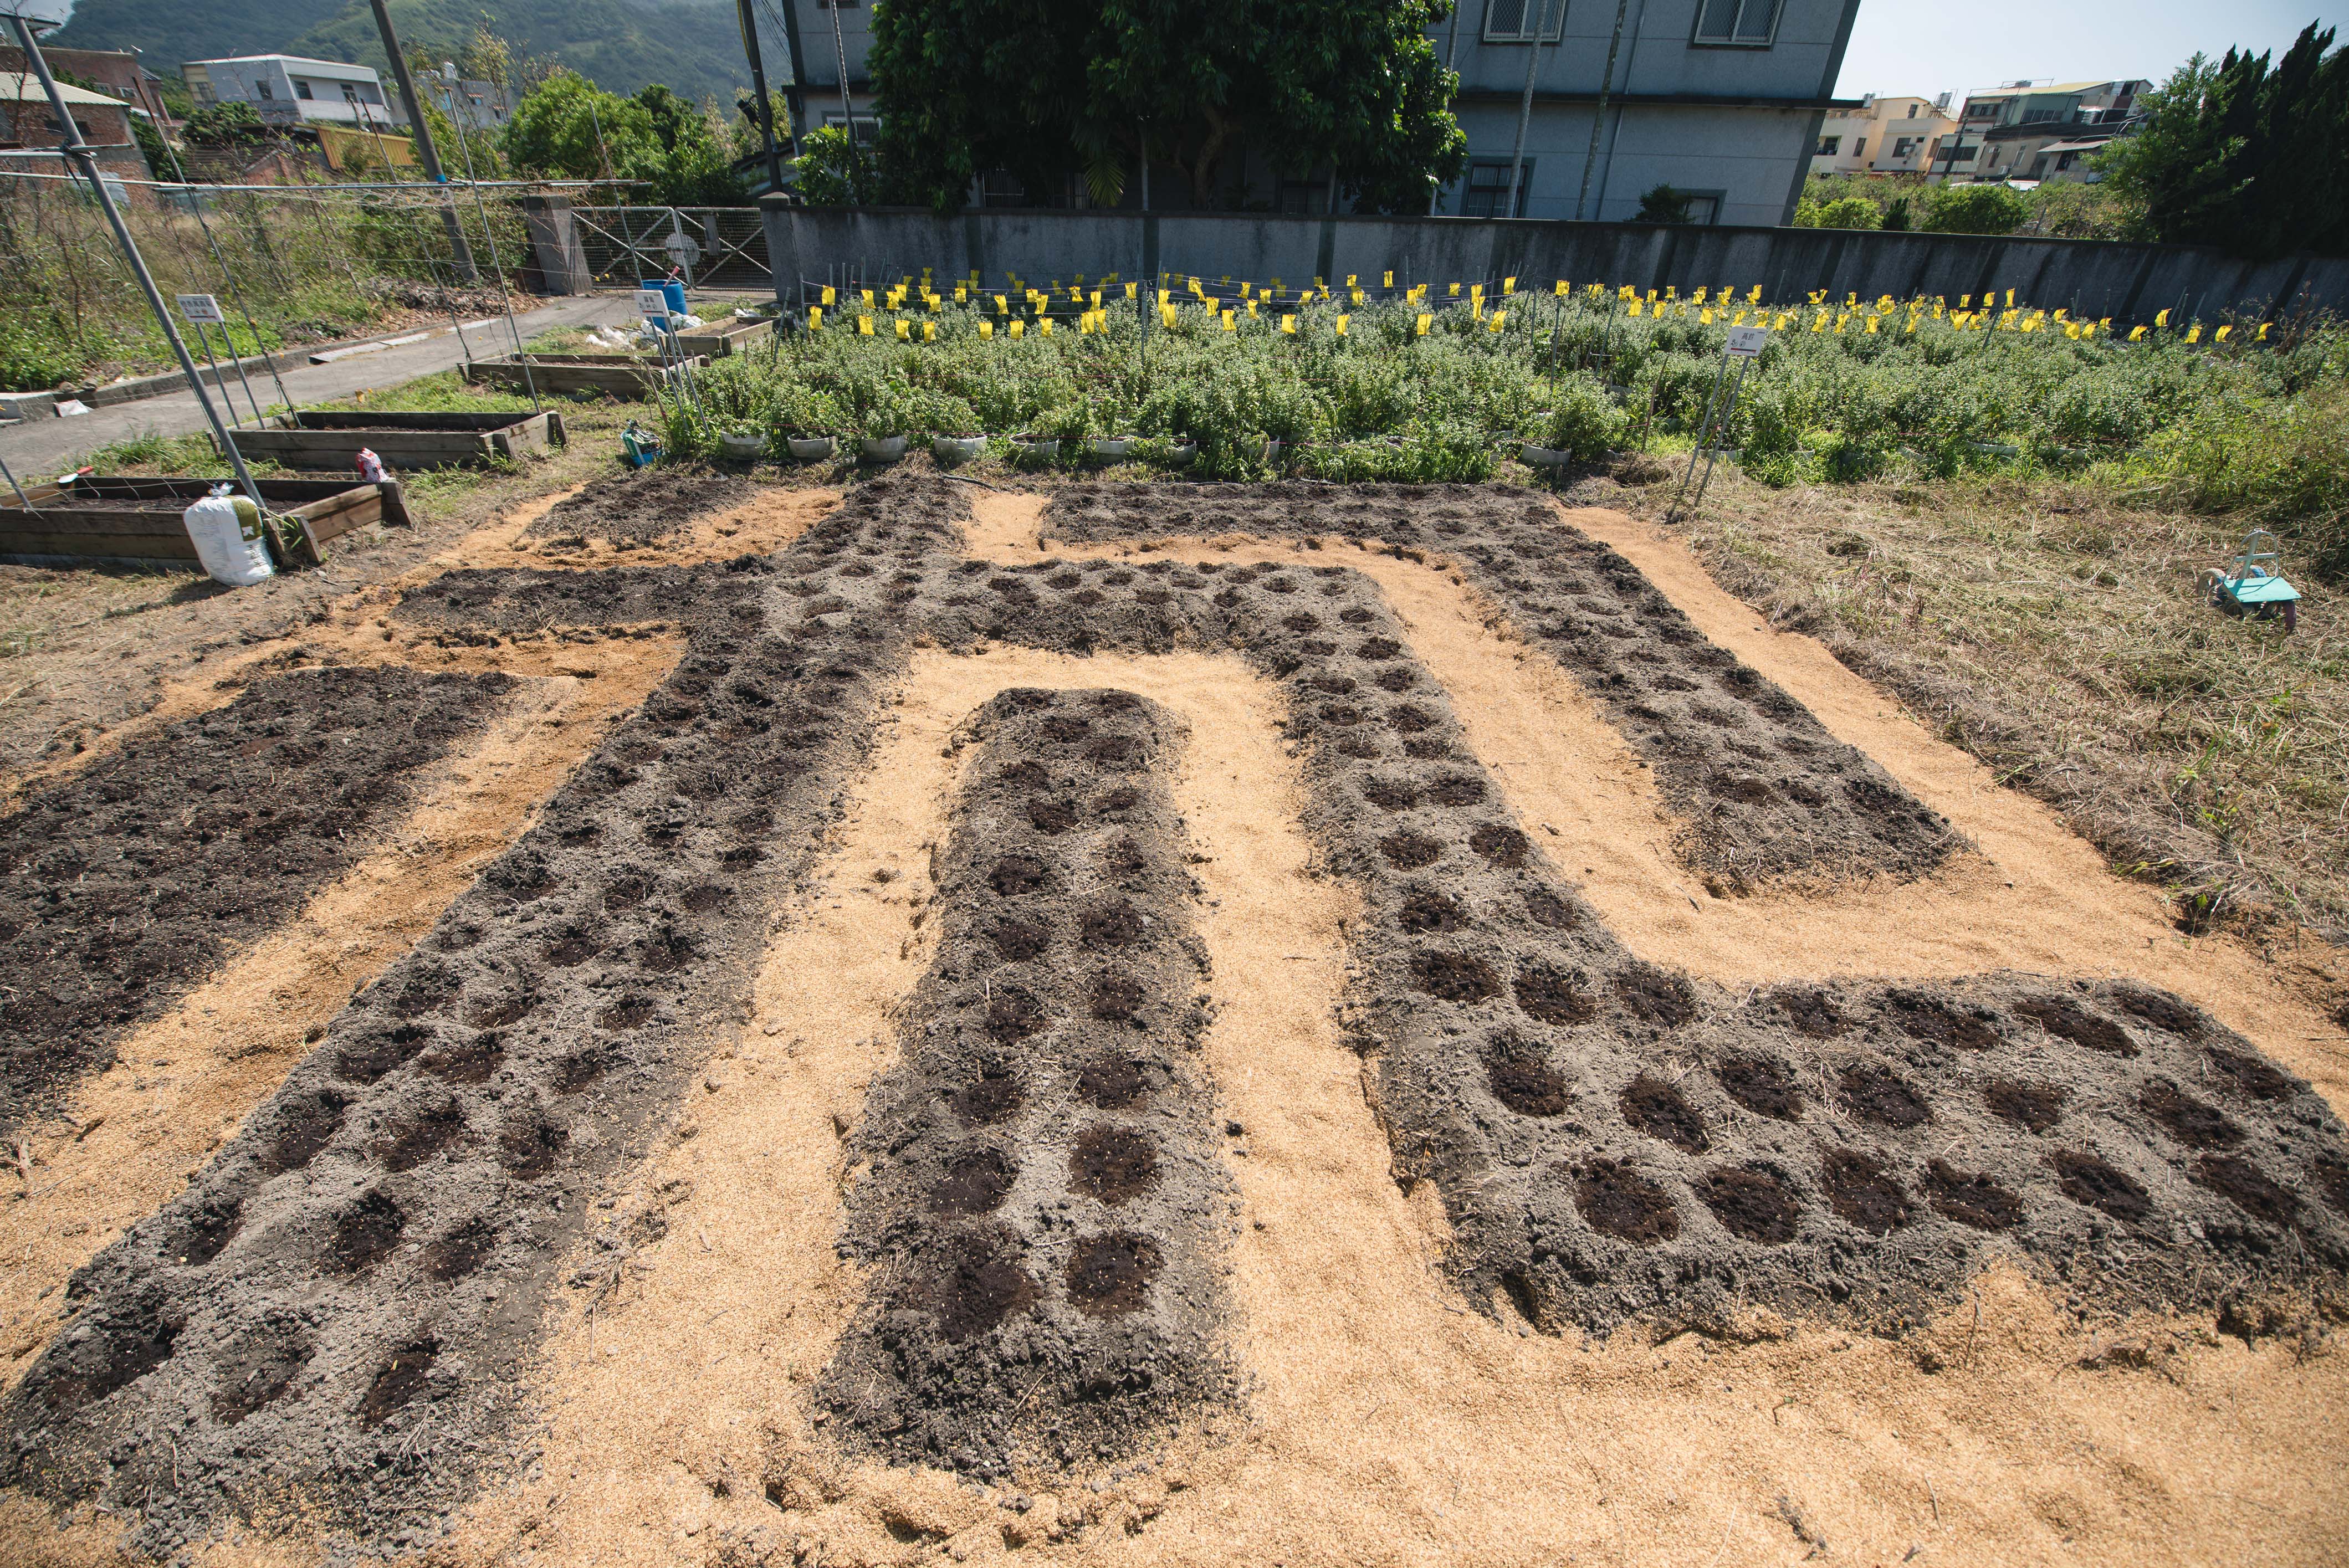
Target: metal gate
<point x="718" y="247"/>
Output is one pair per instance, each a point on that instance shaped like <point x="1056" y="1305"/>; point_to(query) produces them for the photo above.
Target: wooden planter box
<point x="331" y="439"/>
<point x="719" y="341"/>
<point x="135" y="521"/>
<point x="629" y="375"/>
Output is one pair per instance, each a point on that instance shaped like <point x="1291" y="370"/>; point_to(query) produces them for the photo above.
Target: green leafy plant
<point x="1586" y="422"/>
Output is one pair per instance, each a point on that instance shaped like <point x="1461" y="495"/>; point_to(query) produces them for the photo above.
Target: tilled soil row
<point x="1763" y="792"/>
<point x="1043" y="1189"/>
<point x="123" y="884"/>
<point x="335" y="1310"/>
<point x="641" y="505"/>
<point x="331" y="1317"/>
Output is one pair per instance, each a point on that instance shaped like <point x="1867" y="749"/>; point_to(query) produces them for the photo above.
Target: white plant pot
<point x="1046" y="448"/>
<point x="809" y="449"/>
<point x="741" y="448"/>
<point x="950" y="449"/>
<point x="1543" y="456"/>
<point x="882" y="449"/>
<point x="1116" y="448"/>
<point x="1183" y="453"/>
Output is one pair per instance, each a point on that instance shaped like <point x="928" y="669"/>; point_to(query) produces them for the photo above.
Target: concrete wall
<point x="2090" y="277"/>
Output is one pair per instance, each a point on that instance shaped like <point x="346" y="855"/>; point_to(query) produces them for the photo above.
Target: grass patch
<point x="2058" y="633"/>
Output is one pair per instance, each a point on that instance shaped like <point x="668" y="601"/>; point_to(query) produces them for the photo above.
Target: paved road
<point x="45" y="447"/>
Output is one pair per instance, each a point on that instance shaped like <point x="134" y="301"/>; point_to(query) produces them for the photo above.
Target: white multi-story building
<point x="2028" y="131"/>
<point x="287" y="91"/>
<point x="1885" y="135"/>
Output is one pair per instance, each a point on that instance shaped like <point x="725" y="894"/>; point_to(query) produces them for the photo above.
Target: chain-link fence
<point x="717" y="247"/>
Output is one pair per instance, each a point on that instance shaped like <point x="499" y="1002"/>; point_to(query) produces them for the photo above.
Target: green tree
<point x="1851" y="212"/>
<point x="223" y="125"/>
<point x="1988" y="209"/>
<point x="2242" y="155"/>
<point x="1049" y="89"/>
<point x="830" y="169"/>
<point x="1662" y="204"/>
<point x="567" y="126"/>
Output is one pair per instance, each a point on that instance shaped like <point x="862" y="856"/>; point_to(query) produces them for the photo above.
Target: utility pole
<point x="77" y="151"/>
<point x="423" y="132"/>
<point x="764" y="116"/>
<point x="1524" y="108"/>
<point x="1599" y="116"/>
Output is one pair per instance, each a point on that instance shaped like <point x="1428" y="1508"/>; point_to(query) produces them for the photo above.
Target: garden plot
<point x="1040" y="1181"/>
<point x="128" y="881"/>
<point x="359" y="1312"/>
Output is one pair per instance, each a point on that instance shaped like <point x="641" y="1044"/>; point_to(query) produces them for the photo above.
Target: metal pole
<point x="1735" y="387"/>
<point x="74" y="148"/>
<point x="765" y="117"/>
<point x="233" y="358"/>
<point x="1704" y="433"/>
<point x="235" y="289"/>
<point x="490" y="235"/>
<point x="1525" y="108"/>
<point x="847" y="110"/>
<point x="1598" y="115"/>
<point x="423" y="132"/>
<point x="204" y="342"/>
<point x="23" y="500"/>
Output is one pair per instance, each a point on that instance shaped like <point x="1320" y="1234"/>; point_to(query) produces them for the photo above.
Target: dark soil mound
<point x="124" y="885"/>
<point x="642" y="504"/>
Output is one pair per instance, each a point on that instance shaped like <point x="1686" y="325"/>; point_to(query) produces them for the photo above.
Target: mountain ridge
<point x="691" y="45"/>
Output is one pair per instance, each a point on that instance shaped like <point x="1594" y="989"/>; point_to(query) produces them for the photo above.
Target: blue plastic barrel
<point x="671" y="290"/>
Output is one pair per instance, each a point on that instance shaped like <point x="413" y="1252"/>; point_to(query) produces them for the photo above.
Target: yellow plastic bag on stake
<point x="1421" y="327"/>
<point x="1288" y="325"/>
<point x="987" y="329"/>
<point x="929" y="332"/>
<point x="815" y="318"/>
<point x="1018" y="327"/>
<point x="1343" y="320"/>
<point x="827" y="294"/>
<point x="865" y="327"/>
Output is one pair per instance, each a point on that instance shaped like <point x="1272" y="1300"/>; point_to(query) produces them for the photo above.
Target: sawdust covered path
<point x="1384" y="1423"/>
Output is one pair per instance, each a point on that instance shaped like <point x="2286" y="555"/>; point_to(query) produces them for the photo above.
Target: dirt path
<point x="2034" y="896"/>
<point x="1386" y="1424"/>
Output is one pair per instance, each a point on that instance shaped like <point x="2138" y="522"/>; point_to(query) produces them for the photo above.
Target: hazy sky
<point x="1930" y="49"/>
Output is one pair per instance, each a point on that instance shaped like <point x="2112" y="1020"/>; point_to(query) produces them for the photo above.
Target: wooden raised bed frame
<point x="133" y="535"/>
<point x="734" y="337"/>
<point x="331" y="437"/>
<point x="629" y="375"/>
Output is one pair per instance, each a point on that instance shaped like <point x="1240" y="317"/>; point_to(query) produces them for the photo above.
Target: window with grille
<point x="1750" y="23"/>
<point x="1513" y="21"/>
<point x="1488" y="194"/>
<point x="1828" y="147"/>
